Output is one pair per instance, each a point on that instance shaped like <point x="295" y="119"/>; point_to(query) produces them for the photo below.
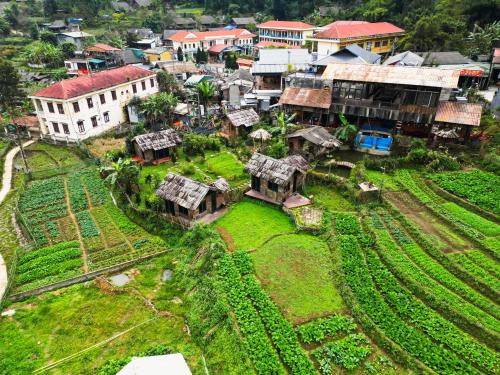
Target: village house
<point x="184" y="23"/>
<point x="240" y="122"/>
<point x="242" y="22"/>
<point x="293" y="33"/>
<point x="310" y="106"/>
<point x="312" y="142"/>
<point x="156" y="147"/>
<point x="235" y="87"/>
<point x="186" y="200"/>
<point x="376" y="37"/>
<point x="275" y="180"/>
<point x="190" y="41"/>
<point x="207" y="21"/>
<point x="74" y="37"/>
<point x="459" y="118"/>
<point x="158" y="54"/>
<point x="390" y="96"/>
<point x="352" y="54"/>
<point x="406" y="58"/>
<point x="89" y="105"/>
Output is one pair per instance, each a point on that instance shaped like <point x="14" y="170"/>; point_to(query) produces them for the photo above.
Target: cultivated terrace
<point x="231" y="187"/>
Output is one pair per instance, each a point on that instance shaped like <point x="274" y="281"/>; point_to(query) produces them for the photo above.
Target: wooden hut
<point x="274" y="180"/>
<point x="312" y="142"/>
<point x="237" y="123"/>
<point x="186" y="200"/>
<point x="156" y="147"/>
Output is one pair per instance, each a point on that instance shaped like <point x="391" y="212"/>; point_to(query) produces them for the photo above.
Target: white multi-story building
<point x="86" y="106"/>
<point x="291" y="33"/>
<point x="190" y="41"/>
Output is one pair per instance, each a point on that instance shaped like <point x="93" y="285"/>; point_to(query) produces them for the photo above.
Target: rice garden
<point x="75" y="229"/>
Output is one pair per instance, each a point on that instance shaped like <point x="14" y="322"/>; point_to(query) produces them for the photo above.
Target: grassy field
<point x="100" y="146"/>
<point x="294" y="270"/>
<point x="250" y="223"/>
<point x="43" y="156"/>
<point x="55" y="325"/>
<point x="329" y="197"/>
<point x="389" y="181"/>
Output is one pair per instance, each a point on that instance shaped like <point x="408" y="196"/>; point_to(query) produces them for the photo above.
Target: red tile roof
<point x="294" y="25"/>
<point x="101" y="47"/>
<point x="306" y="97"/>
<point x="244" y="62"/>
<point x="218" y="48"/>
<point x="266" y="43"/>
<point x="194" y="36"/>
<point x="496" y="56"/>
<point x="459" y="113"/>
<point x="337" y="23"/>
<point x="71" y="88"/>
<point x="357" y="30"/>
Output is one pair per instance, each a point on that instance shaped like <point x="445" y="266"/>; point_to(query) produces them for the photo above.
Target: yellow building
<point x="158" y="54"/>
<point x="378" y="37"/>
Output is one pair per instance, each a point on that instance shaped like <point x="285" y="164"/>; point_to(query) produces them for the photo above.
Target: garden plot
<point x="329" y="197"/>
<point x="76" y="208"/>
<point x="295" y="270"/>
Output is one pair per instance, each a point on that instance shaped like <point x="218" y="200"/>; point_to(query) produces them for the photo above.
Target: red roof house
<point x="344" y="31"/>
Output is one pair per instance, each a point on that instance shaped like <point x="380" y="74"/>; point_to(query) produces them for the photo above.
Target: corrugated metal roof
<point x="402" y="75"/>
<point x="305" y="97"/>
<point x="318" y="136"/>
<point x="459" y="113"/>
<point x="406" y="58"/>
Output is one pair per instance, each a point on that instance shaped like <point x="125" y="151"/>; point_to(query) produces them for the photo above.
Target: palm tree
<point x="123" y="174"/>
<point x="205" y="91"/>
<point x="159" y="109"/>
<point x="482" y="39"/>
<point x="346" y="130"/>
<point x="284" y="121"/>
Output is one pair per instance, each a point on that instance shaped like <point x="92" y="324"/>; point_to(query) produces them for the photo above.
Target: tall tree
<point x="180" y="54"/>
<point x="166" y="82"/>
<point x="206" y="91"/>
<point x="49" y="7"/>
<point x="10" y="92"/>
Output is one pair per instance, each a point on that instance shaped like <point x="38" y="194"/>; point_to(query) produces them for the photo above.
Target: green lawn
<point x="376" y="176"/>
<point x="55" y="325"/>
<point x="250" y="223"/>
<point x="329" y="197"/>
<point x="295" y="270"/>
<point x="197" y="11"/>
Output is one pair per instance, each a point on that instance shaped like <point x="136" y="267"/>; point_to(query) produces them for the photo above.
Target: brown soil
<point x="100" y="146"/>
<point x="228" y="239"/>
<point x="425" y="219"/>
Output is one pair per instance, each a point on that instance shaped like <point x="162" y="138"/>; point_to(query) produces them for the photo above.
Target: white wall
<point x="114" y="108"/>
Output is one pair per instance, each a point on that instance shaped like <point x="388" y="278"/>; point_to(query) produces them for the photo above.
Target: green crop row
<point x="437" y="272"/>
<point x="77" y="195"/>
<point x="475" y="270"/>
<point x="259" y="347"/>
<point x="49" y="280"/>
<point x="427" y="320"/>
<point x="323" y="328"/>
<point x="280" y="330"/>
<point x="478" y="187"/>
<point x="95" y="186"/>
<point x="407" y="337"/>
<point x="469" y="317"/>
<point x="56" y="257"/>
<point x="49" y="269"/>
<point x="42" y="193"/>
<point x="44" y="251"/>
<point x="87" y="226"/>
<point x="346" y="224"/>
<point x="479" y="223"/>
<point x="243" y="262"/>
<point x="347" y="352"/>
<point x="484" y="262"/>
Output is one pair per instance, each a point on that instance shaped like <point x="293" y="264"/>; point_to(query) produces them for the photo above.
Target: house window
<point x="385" y="42"/>
<point x="55" y="125"/>
<point x="202" y="207"/>
<point x="169" y="207"/>
<point x="51" y="107"/>
<point x="39" y="105"/>
<point x="134" y="88"/>
<point x="94" y="121"/>
<point x="143" y="84"/>
<point x="106" y="116"/>
<point x="102" y="98"/>
<point x="152" y="82"/>
<point x="76" y="107"/>
<point x="81" y="126"/>
<point x="60" y="108"/>
<point x="113" y="95"/>
<point x="65" y="128"/>
<point x="183" y="211"/>
<point x="90" y="103"/>
<point x="272" y="186"/>
<point x="377" y="44"/>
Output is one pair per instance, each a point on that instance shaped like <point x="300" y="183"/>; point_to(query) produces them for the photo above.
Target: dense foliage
<point x="322" y="328"/>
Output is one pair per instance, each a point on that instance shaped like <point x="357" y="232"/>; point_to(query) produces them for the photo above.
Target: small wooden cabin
<point x="156" y="147"/>
<point x="237" y="123"/>
<point x="274" y="180"/>
<point x="186" y="200"/>
<point x="312" y="142"/>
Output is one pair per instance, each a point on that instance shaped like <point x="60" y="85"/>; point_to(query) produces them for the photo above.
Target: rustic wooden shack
<point x="238" y="123"/>
<point x="186" y="200"/>
<point x="312" y="142"/>
<point x="274" y="180"/>
<point x="156" y="147"/>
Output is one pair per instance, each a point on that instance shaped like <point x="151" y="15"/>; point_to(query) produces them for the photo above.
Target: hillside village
<point x="197" y="191"/>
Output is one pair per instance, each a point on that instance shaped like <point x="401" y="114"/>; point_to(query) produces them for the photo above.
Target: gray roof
<point x="207" y="20"/>
<point x="406" y="58"/>
<point x="298" y="162"/>
<point x="352" y="54"/>
<point x="184" y="21"/>
<point x="57" y="24"/>
<point x="318" y="136"/>
<point x="276" y="60"/>
<point x="168" y="33"/>
<point x="143" y="3"/>
<point x="278" y="171"/>
<point x="142" y="33"/>
<point x="183" y="191"/>
<point x="127" y="57"/>
<point x="120" y="6"/>
<point x="186" y="192"/>
<point x="245" y="117"/>
<point x="158" y="141"/>
<point x="240" y="74"/>
<point x="243" y="20"/>
<point x="443" y="58"/>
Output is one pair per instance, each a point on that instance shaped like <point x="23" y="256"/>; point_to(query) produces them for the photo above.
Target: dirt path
<point x="75" y="222"/>
<point x="428" y="222"/>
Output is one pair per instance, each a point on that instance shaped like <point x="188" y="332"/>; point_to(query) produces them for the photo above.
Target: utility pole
<point x="20" y="144"/>
<point x="381" y="184"/>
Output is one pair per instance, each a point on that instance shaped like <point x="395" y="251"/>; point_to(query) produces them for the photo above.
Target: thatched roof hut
<point x="158" y="140"/>
<point x="278" y="171"/>
<point x="317" y="135"/>
<point x="260" y="134"/>
<point x="244" y="117"/>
